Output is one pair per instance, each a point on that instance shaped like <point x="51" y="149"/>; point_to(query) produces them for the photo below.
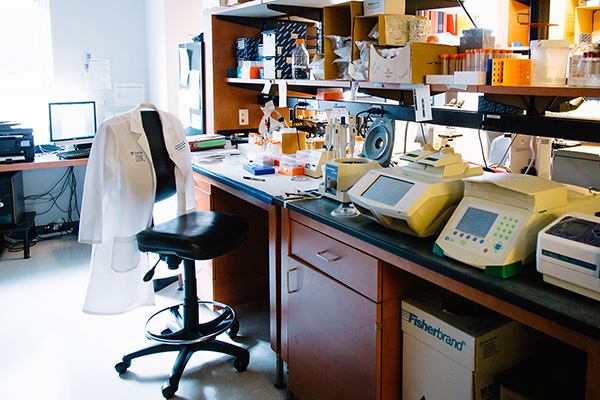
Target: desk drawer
<point x="346" y="264"/>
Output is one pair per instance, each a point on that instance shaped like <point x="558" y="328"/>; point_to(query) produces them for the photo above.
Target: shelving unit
<point x="533" y="99"/>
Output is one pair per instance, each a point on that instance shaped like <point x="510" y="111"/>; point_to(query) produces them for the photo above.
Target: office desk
<point x="41" y="161"/>
<point x="566" y="316"/>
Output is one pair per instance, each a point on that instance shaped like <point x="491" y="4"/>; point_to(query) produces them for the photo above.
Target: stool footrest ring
<point x="167" y="325"/>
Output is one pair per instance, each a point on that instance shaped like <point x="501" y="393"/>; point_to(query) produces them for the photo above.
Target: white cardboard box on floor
<point x="449" y="356"/>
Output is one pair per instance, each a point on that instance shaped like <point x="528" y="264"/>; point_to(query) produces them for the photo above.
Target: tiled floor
<point x="50" y="350"/>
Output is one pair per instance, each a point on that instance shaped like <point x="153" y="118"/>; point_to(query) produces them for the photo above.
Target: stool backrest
<point x="163" y="165"/>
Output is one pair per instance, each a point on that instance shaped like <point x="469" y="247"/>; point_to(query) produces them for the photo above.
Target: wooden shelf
<point x="558" y="91"/>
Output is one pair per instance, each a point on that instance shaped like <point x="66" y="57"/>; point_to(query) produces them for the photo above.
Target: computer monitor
<point x="72" y="124"/>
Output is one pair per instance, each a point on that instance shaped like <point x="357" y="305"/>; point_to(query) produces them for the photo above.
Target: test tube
<point x="469" y="63"/>
<point x="444" y="61"/>
<point x="478" y="55"/>
<point x="451" y="64"/>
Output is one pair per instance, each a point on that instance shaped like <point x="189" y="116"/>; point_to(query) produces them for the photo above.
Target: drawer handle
<point x="322" y="257"/>
<point x="295" y="280"/>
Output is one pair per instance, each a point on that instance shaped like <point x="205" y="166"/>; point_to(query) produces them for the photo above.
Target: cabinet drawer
<point x="201" y="184"/>
<point x="346" y="264"/>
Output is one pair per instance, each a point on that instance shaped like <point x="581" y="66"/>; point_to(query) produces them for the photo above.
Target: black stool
<point x="201" y="235"/>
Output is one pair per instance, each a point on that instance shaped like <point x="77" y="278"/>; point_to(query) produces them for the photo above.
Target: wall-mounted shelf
<point x="527" y="96"/>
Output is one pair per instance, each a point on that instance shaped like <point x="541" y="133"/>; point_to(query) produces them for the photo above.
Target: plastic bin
<point x="549" y="60"/>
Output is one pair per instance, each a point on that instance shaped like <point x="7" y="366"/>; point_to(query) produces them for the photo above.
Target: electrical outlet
<point x="243" y="117"/>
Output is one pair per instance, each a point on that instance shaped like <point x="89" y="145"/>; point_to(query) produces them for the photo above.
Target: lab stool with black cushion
<point x="159" y="153"/>
<point x="200" y="235"/>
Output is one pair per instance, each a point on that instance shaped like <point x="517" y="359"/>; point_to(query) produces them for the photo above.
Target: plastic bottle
<point x="300" y="68"/>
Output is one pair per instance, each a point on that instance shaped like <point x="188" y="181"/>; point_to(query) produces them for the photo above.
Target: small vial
<point x="469" y="57"/>
<point x="444" y="61"/>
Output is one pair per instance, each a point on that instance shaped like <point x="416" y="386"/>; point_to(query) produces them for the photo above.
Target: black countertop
<point x="526" y="290"/>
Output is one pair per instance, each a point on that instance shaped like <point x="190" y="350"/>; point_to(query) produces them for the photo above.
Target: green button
<point x="504" y="217"/>
<point x="510" y="219"/>
<point x="498" y="228"/>
<point x="463" y="242"/>
<point x="500" y="236"/>
<point x="516" y="220"/>
<point x="506" y="237"/>
<point x="509" y="232"/>
<point x="503" y="230"/>
<point x="495" y="234"/>
<point x="501" y="223"/>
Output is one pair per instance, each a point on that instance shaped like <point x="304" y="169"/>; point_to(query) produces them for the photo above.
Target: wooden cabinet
<point x="234" y="278"/>
<point x="340" y="317"/>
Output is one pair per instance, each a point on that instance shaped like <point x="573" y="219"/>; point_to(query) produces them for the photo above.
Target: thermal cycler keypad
<point x="485" y="232"/>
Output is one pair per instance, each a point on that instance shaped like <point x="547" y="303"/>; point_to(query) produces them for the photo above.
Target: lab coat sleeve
<point x="179" y="152"/>
<point x="100" y="172"/>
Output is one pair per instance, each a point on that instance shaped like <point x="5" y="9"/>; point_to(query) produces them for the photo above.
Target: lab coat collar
<point x="136" y="118"/>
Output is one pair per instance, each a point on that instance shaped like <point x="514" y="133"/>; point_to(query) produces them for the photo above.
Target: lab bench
<point x="373" y="269"/>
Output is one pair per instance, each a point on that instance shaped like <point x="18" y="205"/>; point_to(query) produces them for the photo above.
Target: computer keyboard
<point x="70" y="154"/>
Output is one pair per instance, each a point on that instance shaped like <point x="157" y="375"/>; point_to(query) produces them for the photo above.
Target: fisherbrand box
<point x="454" y="348"/>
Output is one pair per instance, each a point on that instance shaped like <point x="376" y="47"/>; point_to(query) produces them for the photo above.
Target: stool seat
<point x="198" y="235"/>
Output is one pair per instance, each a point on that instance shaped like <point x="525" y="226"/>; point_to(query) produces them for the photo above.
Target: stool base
<point x="185" y="338"/>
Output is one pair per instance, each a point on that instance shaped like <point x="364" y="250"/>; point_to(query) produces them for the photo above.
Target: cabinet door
<point x="332" y="338"/>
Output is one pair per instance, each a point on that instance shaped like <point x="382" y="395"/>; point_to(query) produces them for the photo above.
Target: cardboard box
<point x="454" y="349"/>
<point x="373" y="7"/>
<point x="393" y="29"/>
<point x="411" y="65"/>
<point x="338" y="20"/>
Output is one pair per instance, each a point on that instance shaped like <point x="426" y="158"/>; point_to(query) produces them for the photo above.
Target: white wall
<point x="108" y="29"/>
<point x="184" y="20"/>
<point x="139" y="37"/>
<point x="170" y="23"/>
<point x="114" y="30"/>
<point x="156" y="48"/>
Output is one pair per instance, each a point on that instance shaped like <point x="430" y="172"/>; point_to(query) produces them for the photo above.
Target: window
<point x="25" y="64"/>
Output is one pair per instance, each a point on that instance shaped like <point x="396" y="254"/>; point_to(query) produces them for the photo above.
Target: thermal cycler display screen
<point x="387" y="190"/>
<point x="477" y="222"/>
<point x="575" y="227"/>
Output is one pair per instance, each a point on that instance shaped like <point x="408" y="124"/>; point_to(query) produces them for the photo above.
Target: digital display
<point x="575" y="227"/>
<point x="477" y="222"/>
<point x="387" y="190"/>
<point x="72" y="123"/>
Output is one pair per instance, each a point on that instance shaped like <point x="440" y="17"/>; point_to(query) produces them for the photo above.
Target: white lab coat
<point x="118" y="199"/>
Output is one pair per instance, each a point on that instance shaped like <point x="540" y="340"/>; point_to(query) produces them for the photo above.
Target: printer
<point x="16" y="144"/>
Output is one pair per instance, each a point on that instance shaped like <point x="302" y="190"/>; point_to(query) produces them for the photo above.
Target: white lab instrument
<point x="568" y="253"/>
<point x="495" y="226"/>
<point x="341" y="174"/>
<point x="340" y="137"/>
<point x="314" y="161"/>
<point x="418" y="198"/>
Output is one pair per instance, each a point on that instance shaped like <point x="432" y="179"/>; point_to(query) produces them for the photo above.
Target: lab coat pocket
<point x="125" y="254"/>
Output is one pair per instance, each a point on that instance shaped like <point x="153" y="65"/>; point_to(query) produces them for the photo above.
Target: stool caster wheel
<point x="233" y="331"/>
<point x="168" y="391"/>
<point x="122" y="366"/>
<point x="241" y="363"/>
